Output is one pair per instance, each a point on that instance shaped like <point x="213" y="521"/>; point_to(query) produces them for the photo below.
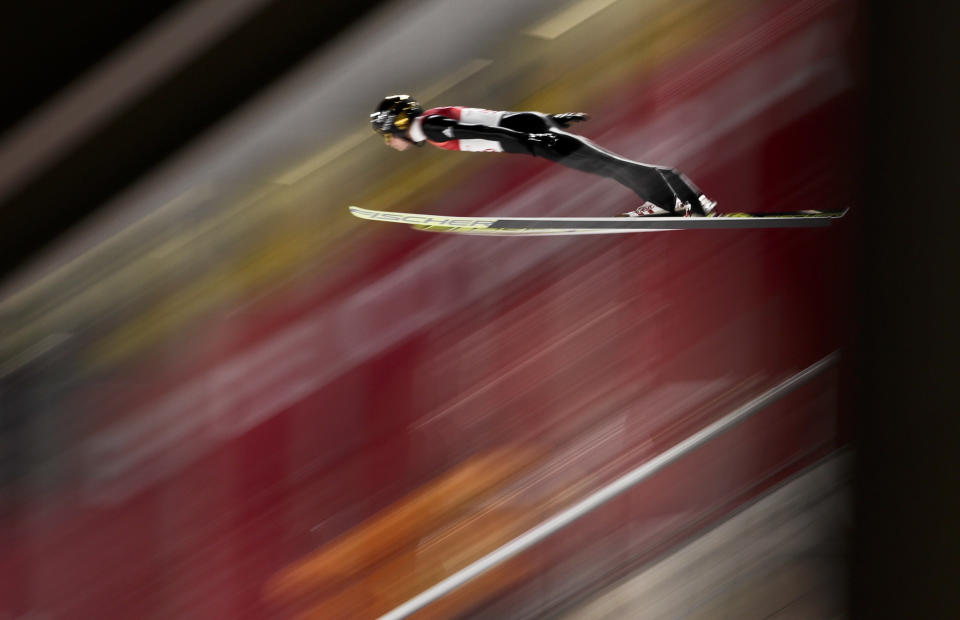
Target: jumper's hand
<point x="565" y="119"/>
<point x="540" y="142"/>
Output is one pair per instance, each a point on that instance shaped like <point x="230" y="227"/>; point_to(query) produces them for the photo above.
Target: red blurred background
<point x="321" y="418"/>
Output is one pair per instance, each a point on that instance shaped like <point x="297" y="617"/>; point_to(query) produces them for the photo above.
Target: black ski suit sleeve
<point x="441" y="129"/>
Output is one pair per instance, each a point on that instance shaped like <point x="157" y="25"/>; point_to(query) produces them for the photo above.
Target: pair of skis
<point x="543" y="226"/>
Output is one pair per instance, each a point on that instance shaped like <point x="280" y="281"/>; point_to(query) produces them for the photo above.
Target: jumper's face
<point x="398" y="143"/>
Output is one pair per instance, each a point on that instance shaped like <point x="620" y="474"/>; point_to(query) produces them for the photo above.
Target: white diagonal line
<point x="605" y="494"/>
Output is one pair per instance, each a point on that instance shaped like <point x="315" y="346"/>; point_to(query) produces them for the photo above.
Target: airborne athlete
<point x="403" y="123"/>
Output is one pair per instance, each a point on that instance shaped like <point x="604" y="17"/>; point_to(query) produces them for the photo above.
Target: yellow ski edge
<point x="420" y="219"/>
<point x="514" y="232"/>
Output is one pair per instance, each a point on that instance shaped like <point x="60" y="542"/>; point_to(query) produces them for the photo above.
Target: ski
<point x="541" y="226"/>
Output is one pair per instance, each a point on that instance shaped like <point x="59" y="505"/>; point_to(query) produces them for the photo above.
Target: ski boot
<point x="707" y="206"/>
<point x="704" y="208"/>
<point x="682" y="209"/>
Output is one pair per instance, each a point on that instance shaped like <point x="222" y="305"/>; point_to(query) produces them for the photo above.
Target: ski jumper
<point x="532" y="133"/>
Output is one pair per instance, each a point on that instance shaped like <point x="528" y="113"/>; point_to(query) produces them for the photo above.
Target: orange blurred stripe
<point x="404" y="524"/>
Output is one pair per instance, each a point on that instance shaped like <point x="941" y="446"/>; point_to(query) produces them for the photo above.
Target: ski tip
<point x="834" y="214"/>
<point x="355" y="211"/>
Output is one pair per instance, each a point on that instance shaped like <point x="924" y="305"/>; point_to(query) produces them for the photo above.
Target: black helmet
<point x="394" y="114"/>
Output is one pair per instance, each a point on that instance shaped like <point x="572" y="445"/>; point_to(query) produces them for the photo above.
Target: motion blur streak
<point x="231" y="399"/>
<point x="57" y="126"/>
<point x="604" y="495"/>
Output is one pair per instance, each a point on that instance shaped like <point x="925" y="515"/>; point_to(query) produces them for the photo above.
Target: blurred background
<point x="224" y="397"/>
